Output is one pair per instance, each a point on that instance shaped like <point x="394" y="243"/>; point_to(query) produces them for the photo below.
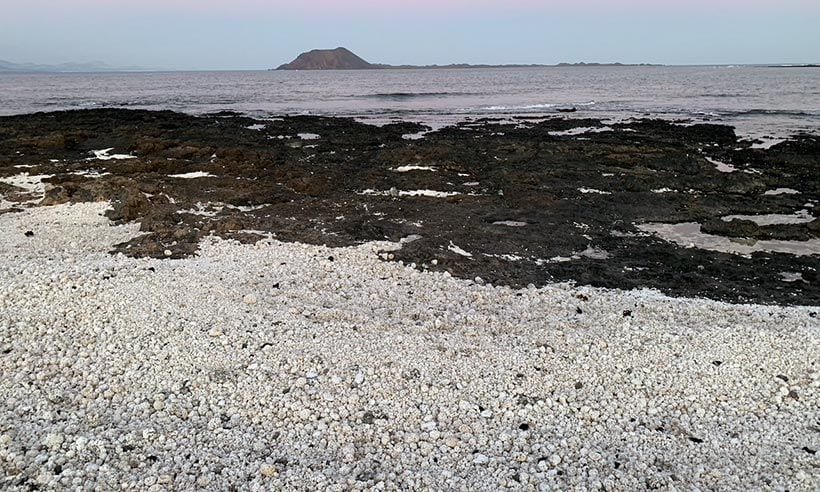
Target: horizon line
<point x="451" y="66"/>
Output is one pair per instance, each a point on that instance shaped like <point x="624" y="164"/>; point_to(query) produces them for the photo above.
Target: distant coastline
<point x="804" y="65"/>
<point x="12" y="67"/>
<point x="344" y="59"/>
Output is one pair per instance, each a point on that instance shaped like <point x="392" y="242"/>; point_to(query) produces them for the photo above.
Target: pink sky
<point x="418" y="6"/>
<point x="232" y="34"/>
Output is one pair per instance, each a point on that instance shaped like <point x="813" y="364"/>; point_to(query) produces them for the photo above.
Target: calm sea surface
<point x="757" y="100"/>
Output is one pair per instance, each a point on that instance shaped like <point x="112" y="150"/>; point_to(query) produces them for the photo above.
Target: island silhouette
<point x="343" y="59"/>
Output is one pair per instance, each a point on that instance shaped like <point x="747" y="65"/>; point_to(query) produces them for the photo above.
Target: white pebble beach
<point x="283" y="366"/>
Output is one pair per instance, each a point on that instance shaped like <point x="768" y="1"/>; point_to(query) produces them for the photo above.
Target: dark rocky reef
<point x="531" y="203"/>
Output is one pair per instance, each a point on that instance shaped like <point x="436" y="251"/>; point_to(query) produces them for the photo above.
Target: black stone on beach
<point x="522" y="198"/>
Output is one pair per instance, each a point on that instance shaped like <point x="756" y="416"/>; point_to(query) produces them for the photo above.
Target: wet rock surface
<point x="532" y="202"/>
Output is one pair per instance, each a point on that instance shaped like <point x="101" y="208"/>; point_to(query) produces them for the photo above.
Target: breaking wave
<point x="531" y="107"/>
<point x="518" y="108"/>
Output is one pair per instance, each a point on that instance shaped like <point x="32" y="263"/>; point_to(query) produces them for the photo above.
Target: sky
<point x="259" y="34"/>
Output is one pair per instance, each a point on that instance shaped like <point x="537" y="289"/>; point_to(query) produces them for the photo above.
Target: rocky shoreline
<point x="221" y="303"/>
<point x="511" y="202"/>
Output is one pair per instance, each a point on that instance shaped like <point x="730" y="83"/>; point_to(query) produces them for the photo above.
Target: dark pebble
<point x="29" y="233"/>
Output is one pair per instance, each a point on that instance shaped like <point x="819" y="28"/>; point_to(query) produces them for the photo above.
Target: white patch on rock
<point x="455" y="249"/>
<point x="204" y="209"/>
<point x="781" y="191"/>
<point x="415" y="136"/>
<point x="90" y="173"/>
<point x="28" y="182"/>
<point x="594" y="191"/>
<point x="103" y="155"/>
<point x="192" y="175"/>
<point x="799" y="217"/>
<point x="404" y="169"/>
<point x="506" y="257"/>
<point x="689" y="235"/>
<point x="427" y="193"/>
<point x="721" y="166"/>
<point x="791" y="277"/>
<point x="594" y="253"/>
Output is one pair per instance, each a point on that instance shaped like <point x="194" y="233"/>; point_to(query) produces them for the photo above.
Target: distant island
<point x="344" y="59"/>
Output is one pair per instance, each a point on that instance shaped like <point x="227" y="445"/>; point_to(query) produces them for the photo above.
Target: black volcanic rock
<point x="338" y="59"/>
<point x="527" y="204"/>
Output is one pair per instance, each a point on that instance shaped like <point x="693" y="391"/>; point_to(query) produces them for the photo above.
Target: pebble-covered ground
<point x="286" y="366"/>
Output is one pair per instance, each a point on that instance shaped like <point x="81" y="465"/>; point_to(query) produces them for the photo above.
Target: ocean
<point x="758" y="101"/>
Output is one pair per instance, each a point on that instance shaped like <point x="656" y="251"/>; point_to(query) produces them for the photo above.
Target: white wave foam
<point x="580" y="131"/>
<point x="514" y="108"/>
<point x="767" y="143"/>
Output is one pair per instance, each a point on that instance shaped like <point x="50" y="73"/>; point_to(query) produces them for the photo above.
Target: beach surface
<point x="287" y="366"/>
<point x="303" y="303"/>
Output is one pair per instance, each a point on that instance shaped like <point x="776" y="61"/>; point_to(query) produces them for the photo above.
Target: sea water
<point x="758" y="100"/>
